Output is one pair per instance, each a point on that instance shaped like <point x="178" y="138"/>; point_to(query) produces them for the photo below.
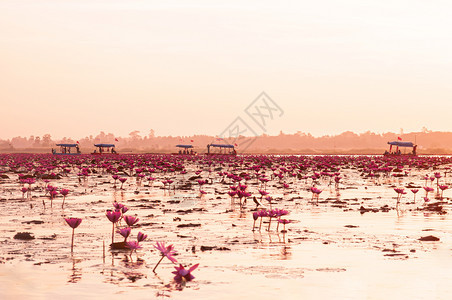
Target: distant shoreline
<point x="251" y="152"/>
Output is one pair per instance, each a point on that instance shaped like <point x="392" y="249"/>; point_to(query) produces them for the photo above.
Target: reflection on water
<point x="76" y="274"/>
<point x="286" y="252"/>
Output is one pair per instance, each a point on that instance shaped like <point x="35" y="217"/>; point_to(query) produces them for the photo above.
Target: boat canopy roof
<point x="222" y="145"/>
<point x="184" y="146"/>
<point x="104" y="145"/>
<point x="401" y="144"/>
<point x="67" y="145"/>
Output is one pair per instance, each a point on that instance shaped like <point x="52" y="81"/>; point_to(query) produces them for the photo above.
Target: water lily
<point x="73" y="223"/>
<point x="183" y="274"/>
<point x="114" y="217"/>
<point x="165" y="251"/>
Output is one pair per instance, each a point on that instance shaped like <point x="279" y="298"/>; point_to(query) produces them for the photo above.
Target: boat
<point x="399" y="144"/>
<point x="221" y="149"/>
<point x="67" y="149"/>
<point x="104" y="149"/>
<point x="183" y="149"/>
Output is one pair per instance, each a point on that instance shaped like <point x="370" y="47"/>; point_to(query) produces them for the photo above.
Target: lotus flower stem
<point x="153" y="270"/>
<point x="72" y="242"/>
<point x="113" y="233"/>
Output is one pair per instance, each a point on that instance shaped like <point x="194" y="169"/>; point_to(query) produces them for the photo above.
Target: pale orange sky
<point x="74" y="68"/>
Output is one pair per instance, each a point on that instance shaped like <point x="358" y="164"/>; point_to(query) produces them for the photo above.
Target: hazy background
<point x="75" y="68"/>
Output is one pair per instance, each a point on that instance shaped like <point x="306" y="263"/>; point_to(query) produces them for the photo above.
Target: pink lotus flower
<point x="125" y="232"/>
<point x="114" y="217"/>
<point x="122" y="180"/>
<point x="400" y="192"/>
<point x="183" y="274"/>
<point x="262" y="213"/>
<point x="64" y="192"/>
<point x="443" y="187"/>
<point x="167" y="252"/>
<point x="131" y="220"/>
<point x="141" y="236"/>
<point x="73" y="223"/>
<point x="24" y="190"/>
<point x="255" y="217"/>
<point x="117" y="205"/>
<point x="263" y="193"/>
<point x="284" y="222"/>
<point x="133" y="246"/>
<point x="232" y="193"/>
<point x="428" y="190"/>
<point x="414" y="191"/>
<point x="315" y="193"/>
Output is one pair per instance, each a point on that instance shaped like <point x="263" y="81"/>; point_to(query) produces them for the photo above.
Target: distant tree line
<point x="430" y="142"/>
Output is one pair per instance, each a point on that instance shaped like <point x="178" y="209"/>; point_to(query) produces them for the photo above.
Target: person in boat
<point x="77" y="148"/>
<point x="113" y="150"/>
<point x="53" y="151"/>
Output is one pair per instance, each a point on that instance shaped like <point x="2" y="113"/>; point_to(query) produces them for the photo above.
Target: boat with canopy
<point x="104" y="149"/>
<point x="67" y="149"/>
<point x="400" y="144"/>
<point x="221" y="149"/>
<point x="184" y="149"/>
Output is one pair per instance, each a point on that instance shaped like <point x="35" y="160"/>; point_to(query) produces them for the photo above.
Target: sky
<point x="72" y="68"/>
